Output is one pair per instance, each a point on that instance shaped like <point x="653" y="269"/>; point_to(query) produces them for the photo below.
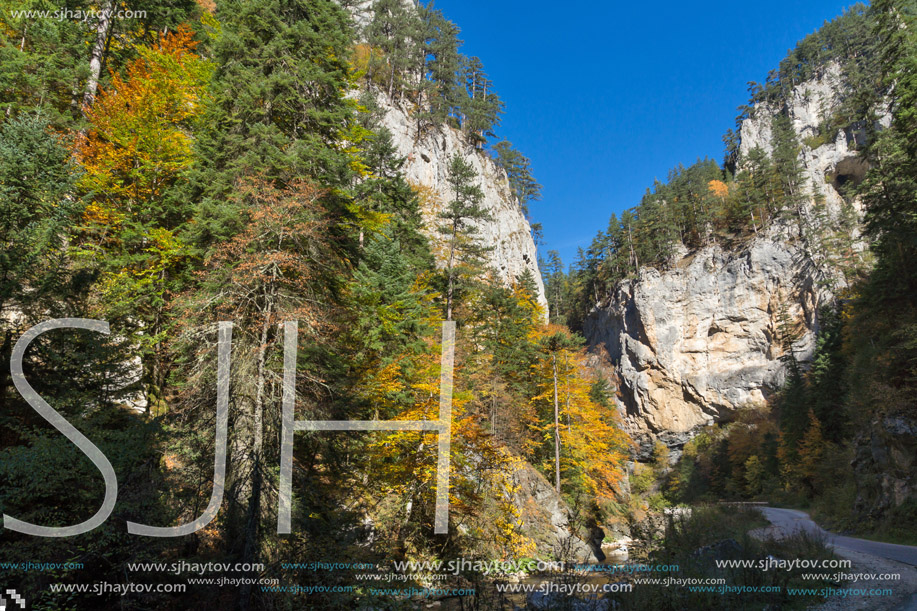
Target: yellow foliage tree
<point x="718" y="188"/>
<point x="811" y="451"/>
<point x="139" y="137"/>
<point x="137" y="144"/>
<point x="592" y="447"/>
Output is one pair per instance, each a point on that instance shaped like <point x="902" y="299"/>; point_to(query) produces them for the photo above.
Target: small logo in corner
<point x="14" y="597"/>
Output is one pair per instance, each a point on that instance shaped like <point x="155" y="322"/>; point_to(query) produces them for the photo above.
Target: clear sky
<point x="605" y="96"/>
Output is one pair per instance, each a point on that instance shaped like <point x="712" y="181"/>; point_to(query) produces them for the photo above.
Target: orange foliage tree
<point x="282" y="266"/>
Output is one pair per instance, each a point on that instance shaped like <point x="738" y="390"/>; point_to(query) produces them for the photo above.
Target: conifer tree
<point x="278" y="107"/>
<point x="483" y="107"/>
<point x="555" y="280"/>
<point x="519" y="172"/>
<point x="395" y="31"/>
<point x="444" y="67"/>
<point x="37" y="207"/>
<point x="787" y="164"/>
<point x="458" y="226"/>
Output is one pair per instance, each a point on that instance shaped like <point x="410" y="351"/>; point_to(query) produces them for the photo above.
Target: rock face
<point x="428" y="155"/>
<point x="830" y="161"/>
<point x="546" y="519"/>
<point x="885" y="463"/>
<point x="692" y="344"/>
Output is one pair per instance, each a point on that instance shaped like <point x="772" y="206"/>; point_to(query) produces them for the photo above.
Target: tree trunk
<point x="6" y="349"/>
<point x="633" y="252"/>
<point x="556" y="428"/>
<point x="451" y="272"/>
<point x="253" y="512"/>
<point x="567" y="392"/>
<point x="493" y="389"/>
<point x="98" y="53"/>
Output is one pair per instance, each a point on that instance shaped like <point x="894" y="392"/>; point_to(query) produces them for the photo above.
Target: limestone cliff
<point x="428" y="154"/>
<point x="691" y="344"/>
<point x="694" y="343"/>
<point x="427" y="163"/>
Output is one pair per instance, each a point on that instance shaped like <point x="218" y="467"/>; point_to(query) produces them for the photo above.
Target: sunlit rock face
<point x="428" y="155"/>
<point x="830" y="161"/>
<point x="692" y="344"/>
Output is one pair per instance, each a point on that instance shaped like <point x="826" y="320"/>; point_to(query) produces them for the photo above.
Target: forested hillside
<point x="839" y="434"/>
<point x="207" y="163"/>
<point x="730" y="202"/>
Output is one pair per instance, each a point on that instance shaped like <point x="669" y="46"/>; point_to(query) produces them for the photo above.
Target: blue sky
<point x="606" y="96"/>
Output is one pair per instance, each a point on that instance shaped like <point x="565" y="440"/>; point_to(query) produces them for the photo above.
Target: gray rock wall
<point x="428" y="156"/>
<point x="692" y="344"/>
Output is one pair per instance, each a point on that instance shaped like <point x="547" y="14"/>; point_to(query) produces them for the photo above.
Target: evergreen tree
<point x="459" y="228"/>
<point x="890" y="189"/>
<point x="555" y="286"/>
<point x="278" y="107"/>
<point x="482" y="107"/>
<point x="444" y="68"/>
<point x="395" y="32"/>
<point x="37" y="207"/>
<point x="519" y="172"/>
<point x="787" y="165"/>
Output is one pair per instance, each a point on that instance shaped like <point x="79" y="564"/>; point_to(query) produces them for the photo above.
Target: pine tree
<point x="628" y="223"/>
<point x="483" y="106"/>
<point x="278" y="108"/>
<point x="519" y="172"/>
<point x="787" y="165"/>
<point x="444" y="67"/>
<point x="555" y="286"/>
<point x="890" y="188"/>
<point x="282" y="266"/>
<point x="37" y="207"/>
<point x="395" y="31"/>
<point x="459" y="228"/>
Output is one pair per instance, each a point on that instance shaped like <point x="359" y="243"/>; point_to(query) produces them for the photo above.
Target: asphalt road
<point x="791" y="520"/>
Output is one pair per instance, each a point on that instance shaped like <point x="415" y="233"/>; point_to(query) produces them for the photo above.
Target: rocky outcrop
<point x="695" y="343"/>
<point x="885" y="463"/>
<point x="829" y="158"/>
<point x="427" y="162"/>
<point x="428" y="154"/>
<point x="546" y="519"/>
<point x="692" y="344"/>
<point x="886" y="449"/>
